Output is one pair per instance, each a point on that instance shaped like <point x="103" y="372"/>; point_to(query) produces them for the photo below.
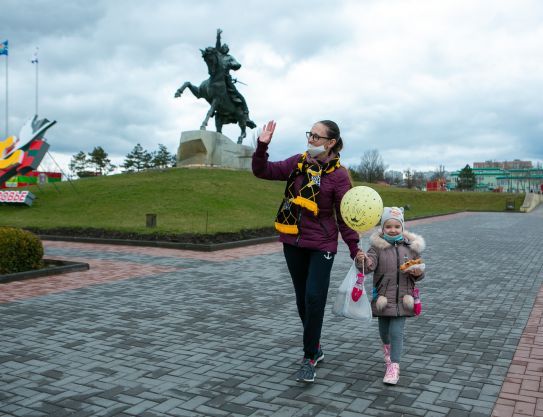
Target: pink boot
<point x="392" y="374"/>
<point x="386" y="352"/>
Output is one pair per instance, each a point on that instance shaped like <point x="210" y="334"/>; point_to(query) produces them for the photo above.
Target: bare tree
<point x="419" y="180"/>
<point x="439" y="173"/>
<point x="408" y="177"/>
<point x="354" y="174"/>
<point x="371" y="168"/>
<point x="393" y="177"/>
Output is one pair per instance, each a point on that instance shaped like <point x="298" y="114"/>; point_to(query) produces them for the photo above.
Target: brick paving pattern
<point x="165" y="332"/>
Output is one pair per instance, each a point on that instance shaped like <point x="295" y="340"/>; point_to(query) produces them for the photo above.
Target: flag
<point x="35" y="56"/>
<point x="4" y="48"/>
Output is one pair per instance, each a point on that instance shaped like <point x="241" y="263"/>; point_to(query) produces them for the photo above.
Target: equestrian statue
<point x="219" y="90"/>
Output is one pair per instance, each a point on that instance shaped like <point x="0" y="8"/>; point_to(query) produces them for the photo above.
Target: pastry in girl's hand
<point x="410" y="263"/>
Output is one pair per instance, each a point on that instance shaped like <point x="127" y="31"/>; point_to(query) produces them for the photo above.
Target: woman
<point x="308" y="222"/>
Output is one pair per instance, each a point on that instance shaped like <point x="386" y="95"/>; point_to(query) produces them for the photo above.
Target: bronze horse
<point x="225" y="105"/>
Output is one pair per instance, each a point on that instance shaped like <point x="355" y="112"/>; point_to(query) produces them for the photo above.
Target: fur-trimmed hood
<point x="415" y="242"/>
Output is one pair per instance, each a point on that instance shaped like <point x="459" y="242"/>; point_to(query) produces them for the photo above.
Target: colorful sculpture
<point x="21" y="155"/>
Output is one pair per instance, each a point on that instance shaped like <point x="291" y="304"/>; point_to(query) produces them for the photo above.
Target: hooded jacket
<point x="315" y="232"/>
<point x="384" y="260"/>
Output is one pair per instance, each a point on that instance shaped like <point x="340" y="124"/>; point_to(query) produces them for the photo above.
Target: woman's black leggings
<point x="310" y="272"/>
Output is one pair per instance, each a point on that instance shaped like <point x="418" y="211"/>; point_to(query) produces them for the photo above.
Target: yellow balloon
<point x="361" y="208"/>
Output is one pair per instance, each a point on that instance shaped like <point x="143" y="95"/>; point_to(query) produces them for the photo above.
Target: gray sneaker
<point x="306" y="373"/>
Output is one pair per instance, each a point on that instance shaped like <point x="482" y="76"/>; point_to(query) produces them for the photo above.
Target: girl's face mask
<point x="393" y="239"/>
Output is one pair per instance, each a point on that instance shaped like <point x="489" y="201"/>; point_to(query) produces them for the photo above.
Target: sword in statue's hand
<point x="235" y="80"/>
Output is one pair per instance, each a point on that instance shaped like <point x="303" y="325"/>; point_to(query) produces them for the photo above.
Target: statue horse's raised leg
<point x="194" y="90"/>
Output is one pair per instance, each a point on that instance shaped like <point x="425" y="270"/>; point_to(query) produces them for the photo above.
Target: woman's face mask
<point x="315" y="150"/>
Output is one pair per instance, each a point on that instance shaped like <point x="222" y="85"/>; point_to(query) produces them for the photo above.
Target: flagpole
<point x="7" y="129"/>
<point x="37" y="63"/>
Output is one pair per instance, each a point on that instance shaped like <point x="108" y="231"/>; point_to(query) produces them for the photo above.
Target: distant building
<point x="521" y="180"/>
<point x="515" y="164"/>
<point x="512" y="180"/>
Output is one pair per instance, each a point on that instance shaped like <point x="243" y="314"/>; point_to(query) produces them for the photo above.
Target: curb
<point x="60" y="267"/>
<point x="202" y="247"/>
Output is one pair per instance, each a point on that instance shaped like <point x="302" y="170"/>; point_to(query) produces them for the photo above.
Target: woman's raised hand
<point x="267" y="132"/>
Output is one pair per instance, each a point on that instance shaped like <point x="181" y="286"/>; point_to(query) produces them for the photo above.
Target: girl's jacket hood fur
<point x="416" y="242"/>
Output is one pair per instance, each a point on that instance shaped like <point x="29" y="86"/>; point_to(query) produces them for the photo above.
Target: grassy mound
<point x="198" y="201"/>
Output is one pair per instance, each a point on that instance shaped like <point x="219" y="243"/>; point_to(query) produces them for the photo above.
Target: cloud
<point x="426" y="83"/>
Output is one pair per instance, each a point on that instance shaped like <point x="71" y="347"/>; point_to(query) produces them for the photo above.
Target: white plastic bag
<point x="352" y="298"/>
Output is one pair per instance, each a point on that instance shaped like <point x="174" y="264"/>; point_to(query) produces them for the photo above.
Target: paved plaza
<point x="165" y="332"/>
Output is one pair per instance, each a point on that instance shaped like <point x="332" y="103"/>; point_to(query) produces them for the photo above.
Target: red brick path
<point x="102" y="271"/>
<point x="522" y="390"/>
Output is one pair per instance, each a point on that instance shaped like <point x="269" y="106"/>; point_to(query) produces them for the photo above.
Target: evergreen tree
<point x="98" y="158"/>
<point x="78" y="162"/>
<point x="162" y="158"/>
<point x="466" y="179"/>
<point x="137" y="160"/>
<point x="79" y="165"/>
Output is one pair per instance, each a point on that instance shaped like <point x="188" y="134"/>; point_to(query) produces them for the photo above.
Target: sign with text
<point x="17" y="197"/>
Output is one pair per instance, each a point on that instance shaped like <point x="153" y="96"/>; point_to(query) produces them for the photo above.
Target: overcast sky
<point x="425" y="82"/>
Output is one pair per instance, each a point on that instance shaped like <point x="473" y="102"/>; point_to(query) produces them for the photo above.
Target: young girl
<point x="393" y="285"/>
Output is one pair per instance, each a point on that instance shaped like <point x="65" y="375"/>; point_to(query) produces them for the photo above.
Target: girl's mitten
<point x="417" y="308"/>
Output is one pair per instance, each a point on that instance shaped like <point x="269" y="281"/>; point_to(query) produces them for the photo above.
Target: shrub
<point x="20" y="250"/>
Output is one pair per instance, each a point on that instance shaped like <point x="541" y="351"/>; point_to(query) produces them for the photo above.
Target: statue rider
<point x="230" y="63"/>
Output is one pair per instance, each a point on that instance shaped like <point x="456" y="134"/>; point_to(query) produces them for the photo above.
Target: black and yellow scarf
<point x="286" y="220"/>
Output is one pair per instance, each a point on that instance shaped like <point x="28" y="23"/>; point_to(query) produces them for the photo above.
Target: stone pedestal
<point x="203" y="148"/>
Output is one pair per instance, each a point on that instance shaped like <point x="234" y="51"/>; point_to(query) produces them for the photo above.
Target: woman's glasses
<point x="314" y="137"/>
